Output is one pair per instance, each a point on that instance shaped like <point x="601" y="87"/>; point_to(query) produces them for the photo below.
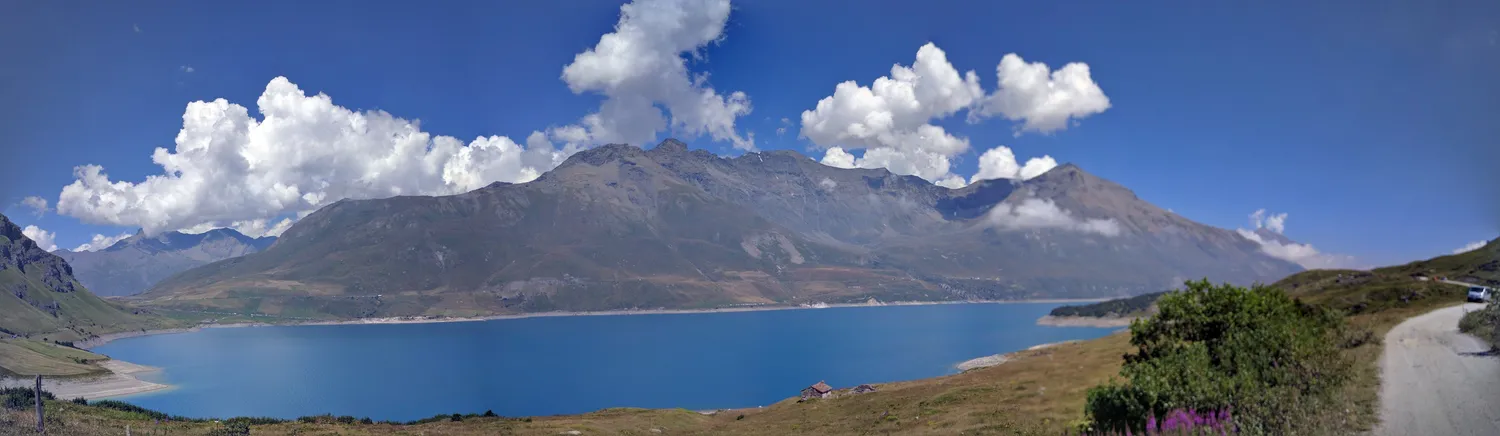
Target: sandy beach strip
<point x="1084" y="321"/>
<point x="997" y="359"/>
<point x="120" y="381"/>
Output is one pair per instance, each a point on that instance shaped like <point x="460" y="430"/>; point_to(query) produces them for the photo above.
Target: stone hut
<point x="820" y="390"/>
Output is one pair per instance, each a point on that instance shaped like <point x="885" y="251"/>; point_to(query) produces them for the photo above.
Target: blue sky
<point x="1372" y="125"/>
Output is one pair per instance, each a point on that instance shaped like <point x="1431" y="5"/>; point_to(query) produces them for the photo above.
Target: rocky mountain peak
<point x="671" y="145"/>
<point x="21" y="253"/>
<point x="135" y="263"/>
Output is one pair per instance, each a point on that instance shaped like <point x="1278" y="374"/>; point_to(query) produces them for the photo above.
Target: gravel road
<point x="1435" y="381"/>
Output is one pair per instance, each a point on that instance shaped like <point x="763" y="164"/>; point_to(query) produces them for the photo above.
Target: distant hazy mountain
<point x="621" y="227"/>
<point x="134" y="264"/>
<point x="39" y="296"/>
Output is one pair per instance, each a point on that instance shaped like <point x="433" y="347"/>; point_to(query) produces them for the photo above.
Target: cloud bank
<point x="1000" y="163"/>
<point x="1279" y="247"/>
<point x="1037" y="213"/>
<point x="893" y="118"/>
<point x="100" y="242"/>
<point x="44" y="239"/>
<point x="229" y="168"/>
<point x="1470" y="247"/>
<point x="1275" y="222"/>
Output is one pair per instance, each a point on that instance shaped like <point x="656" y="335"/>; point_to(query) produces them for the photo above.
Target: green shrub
<point x="22" y="398"/>
<point x="1273" y="360"/>
<point x="131" y="408"/>
<point x="231" y="428"/>
<point x="256" y="420"/>
<point x="1483" y="323"/>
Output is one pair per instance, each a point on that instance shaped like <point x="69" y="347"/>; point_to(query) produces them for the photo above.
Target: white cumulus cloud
<point x="1470" y="247"/>
<point x="1041" y="99"/>
<point x="1038" y="213"/>
<point x="642" y="64"/>
<point x="100" y="242"/>
<point x="838" y="158"/>
<point x="231" y="169"/>
<point x="1000" y="163"/>
<point x="1273" y="222"/>
<point x="37" y="204"/>
<point x="44" y="239"/>
<point x="1301" y="254"/>
<point x="892" y="119"/>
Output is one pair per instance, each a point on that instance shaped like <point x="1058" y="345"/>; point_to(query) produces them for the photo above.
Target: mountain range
<point x="134" y="264"/>
<point x="619" y="227"/>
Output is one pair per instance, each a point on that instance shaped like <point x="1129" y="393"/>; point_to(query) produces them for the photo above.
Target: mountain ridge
<point x="620" y="227"/>
<point x="40" y="296"/>
<point x="134" y="264"/>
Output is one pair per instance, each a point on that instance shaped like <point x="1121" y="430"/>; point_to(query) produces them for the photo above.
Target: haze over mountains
<point x="618" y="227"/>
<point x="134" y="264"/>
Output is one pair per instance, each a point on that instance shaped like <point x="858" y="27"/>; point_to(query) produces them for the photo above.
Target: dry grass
<point x="1038" y="391"/>
<point x="28" y="357"/>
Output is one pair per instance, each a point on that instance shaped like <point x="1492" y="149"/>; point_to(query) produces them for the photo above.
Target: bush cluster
<point x="1484" y="324"/>
<point x="22" y="398"/>
<point x="1118" y="307"/>
<point x="1273" y="360"/>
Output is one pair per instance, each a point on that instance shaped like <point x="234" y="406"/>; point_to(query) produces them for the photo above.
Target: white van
<point x="1480" y="294"/>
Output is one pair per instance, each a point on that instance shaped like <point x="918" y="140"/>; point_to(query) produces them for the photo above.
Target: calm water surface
<point x="562" y="365"/>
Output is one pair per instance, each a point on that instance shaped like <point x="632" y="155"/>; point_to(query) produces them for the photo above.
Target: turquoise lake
<point x="570" y="364"/>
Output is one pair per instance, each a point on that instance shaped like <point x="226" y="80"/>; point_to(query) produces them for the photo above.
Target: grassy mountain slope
<point x="1397" y="286"/>
<point x="41" y="301"/>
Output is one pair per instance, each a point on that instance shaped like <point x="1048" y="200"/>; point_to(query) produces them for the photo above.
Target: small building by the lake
<point x="820" y="390"/>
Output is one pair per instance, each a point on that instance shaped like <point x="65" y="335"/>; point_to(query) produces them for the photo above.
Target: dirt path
<point x="1435" y="381"/>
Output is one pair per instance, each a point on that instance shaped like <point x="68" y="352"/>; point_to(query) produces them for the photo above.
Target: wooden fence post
<point x="41" y="425"/>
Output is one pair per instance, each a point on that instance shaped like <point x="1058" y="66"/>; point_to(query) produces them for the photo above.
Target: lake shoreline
<point x="119" y="381"/>
<point x="111" y="337"/>
<point x="1000" y="359"/>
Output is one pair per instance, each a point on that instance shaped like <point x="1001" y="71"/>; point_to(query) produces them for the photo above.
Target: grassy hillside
<point x="33" y="357"/>
<point x="41" y="304"/>
<point x="29" y="309"/>
<point x="1397" y="287"/>
<point x="1117" y="308"/>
